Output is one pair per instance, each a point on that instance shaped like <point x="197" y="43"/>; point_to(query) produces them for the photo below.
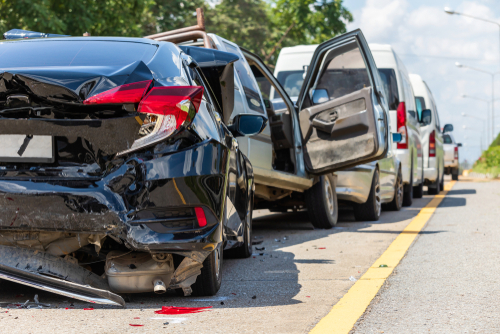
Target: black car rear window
<point x="73" y="53"/>
<point x="447" y="139"/>
<point x="391" y="86"/>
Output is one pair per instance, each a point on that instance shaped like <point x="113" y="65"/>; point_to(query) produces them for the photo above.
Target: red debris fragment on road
<point x="88" y="309"/>
<point x="181" y="310"/>
<point x="321" y="247"/>
<point x="135" y="325"/>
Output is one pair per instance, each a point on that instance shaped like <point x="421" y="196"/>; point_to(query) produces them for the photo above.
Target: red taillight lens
<point x="129" y="93"/>
<point x="432" y="144"/>
<point x="401" y="125"/>
<point x="200" y="216"/>
<point x="180" y="102"/>
<point x="456" y="153"/>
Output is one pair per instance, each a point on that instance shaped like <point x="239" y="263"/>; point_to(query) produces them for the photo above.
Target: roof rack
<point x="187" y="34"/>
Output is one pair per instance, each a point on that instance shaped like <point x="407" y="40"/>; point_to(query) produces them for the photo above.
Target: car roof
<point x="84" y="39"/>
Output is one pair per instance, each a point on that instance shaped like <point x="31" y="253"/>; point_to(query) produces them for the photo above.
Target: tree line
<point x="262" y="26"/>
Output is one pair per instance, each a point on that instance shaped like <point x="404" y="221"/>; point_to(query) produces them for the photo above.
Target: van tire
<point x="372" y="208"/>
<point x="454" y="174"/>
<point x="418" y="191"/>
<point x="209" y="281"/>
<point x="397" y="200"/>
<point x="408" y="192"/>
<point x="434" y="188"/>
<point x="321" y="202"/>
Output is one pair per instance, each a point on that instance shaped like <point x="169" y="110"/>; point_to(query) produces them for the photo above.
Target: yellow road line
<point x="347" y="311"/>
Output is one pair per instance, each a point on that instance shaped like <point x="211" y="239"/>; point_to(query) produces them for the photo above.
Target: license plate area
<point x="26" y="148"/>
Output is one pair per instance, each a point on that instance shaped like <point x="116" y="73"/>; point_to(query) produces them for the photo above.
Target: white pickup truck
<point x="450" y="147"/>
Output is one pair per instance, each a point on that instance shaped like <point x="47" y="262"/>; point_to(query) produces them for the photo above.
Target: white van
<point x="430" y="134"/>
<point x="367" y="186"/>
<point x="404" y="118"/>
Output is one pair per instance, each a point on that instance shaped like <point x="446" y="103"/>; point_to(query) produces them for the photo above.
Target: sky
<point x="430" y="42"/>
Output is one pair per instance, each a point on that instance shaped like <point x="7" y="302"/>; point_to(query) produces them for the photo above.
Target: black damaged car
<point x="117" y="172"/>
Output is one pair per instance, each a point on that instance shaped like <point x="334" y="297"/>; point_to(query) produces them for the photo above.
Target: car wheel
<point x="371" y="209"/>
<point x="397" y="201"/>
<point x="418" y="191"/>
<point x="454" y="174"/>
<point x="210" y="279"/>
<point x="321" y="201"/>
<point x="408" y="192"/>
<point x="245" y="250"/>
<point x="434" y="188"/>
<point x="441" y="184"/>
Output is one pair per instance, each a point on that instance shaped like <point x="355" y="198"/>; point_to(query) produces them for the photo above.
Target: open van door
<point x="342" y="110"/>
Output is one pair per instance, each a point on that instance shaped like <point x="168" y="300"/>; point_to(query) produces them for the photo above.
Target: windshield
<point x="73" y="53"/>
<point x="388" y="77"/>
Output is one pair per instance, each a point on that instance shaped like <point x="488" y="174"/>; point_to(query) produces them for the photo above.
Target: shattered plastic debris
<point x="28" y="305"/>
<point x="352" y="278"/>
<point x="383" y="266"/>
<point x="254" y="297"/>
<point x="277" y="240"/>
<point x="260" y="248"/>
<point x="181" y="310"/>
<point x="257" y="242"/>
<point x="321" y="247"/>
<point x="88" y="309"/>
<point x="135" y="325"/>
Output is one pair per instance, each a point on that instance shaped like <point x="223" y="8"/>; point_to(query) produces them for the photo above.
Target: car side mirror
<point x="459" y="144"/>
<point x="448" y="128"/>
<point x="397" y="137"/>
<point x="247" y="125"/>
<point x="425" y="117"/>
<point x="320" y="96"/>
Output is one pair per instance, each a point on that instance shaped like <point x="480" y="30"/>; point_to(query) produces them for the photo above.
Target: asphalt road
<point x="303" y="272"/>
<point x="449" y="280"/>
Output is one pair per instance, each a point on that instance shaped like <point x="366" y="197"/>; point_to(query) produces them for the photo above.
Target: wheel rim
<point x="378" y="199"/>
<point x="329" y="196"/>
<point x="399" y="191"/>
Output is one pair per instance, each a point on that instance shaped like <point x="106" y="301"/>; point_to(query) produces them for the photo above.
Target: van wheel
<point x="434" y="188"/>
<point x="418" y="191"/>
<point x="441" y="184"/>
<point x="321" y="201"/>
<point x="397" y="201"/>
<point x="371" y="209"/>
<point x="244" y="251"/>
<point x="454" y="174"/>
<point x="408" y="192"/>
<point x="210" y="279"/>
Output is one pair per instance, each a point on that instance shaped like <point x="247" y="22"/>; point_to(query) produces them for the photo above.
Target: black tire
<point x="210" y="279"/>
<point x="408" y="191"/>
<point x="397" y="200"/>
<point x="454" y="174"/>
<point x="372" y="208"/>
<point x="418" y="191"/>
<point x="441" y="184"/>
<point x="245" y="250"/>
<point x="434" y="188"/>
<point x="321" y="201"/>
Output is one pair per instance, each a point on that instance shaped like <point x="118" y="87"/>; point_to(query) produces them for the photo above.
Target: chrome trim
<point x="69" y="289"/>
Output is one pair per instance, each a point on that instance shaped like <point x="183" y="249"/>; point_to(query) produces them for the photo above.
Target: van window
<point x="447" y="139"/>
<point x="245" y="74"/>
<point x="388" y="77"/>
<point x="291" y="81"/>
<point x="420" y="103"/>
<point x="343" y="72"/>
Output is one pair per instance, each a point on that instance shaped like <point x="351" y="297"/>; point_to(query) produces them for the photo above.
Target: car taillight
<point x="401" y="125"/>
<point x="456" y="153"/>
<point x="129" y="93"/>
<point x="200" y="216"/>
<point x="167" y="108"/>
<point x="432" y="144"/>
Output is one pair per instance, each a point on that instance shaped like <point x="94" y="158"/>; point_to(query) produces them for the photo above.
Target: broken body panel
<point x="93" y="187"/>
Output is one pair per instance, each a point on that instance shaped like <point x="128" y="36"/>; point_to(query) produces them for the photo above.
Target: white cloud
<point x="440" y="39"/>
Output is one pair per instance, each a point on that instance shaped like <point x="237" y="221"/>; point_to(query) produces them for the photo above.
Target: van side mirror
<point x="247" y="125"/>
<point x="425" y="117"/>
<point x="448" y="128"/>
<point x="320" y="96"/>
<point x="459" y="144"/>
<point x="397" y="137"/>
